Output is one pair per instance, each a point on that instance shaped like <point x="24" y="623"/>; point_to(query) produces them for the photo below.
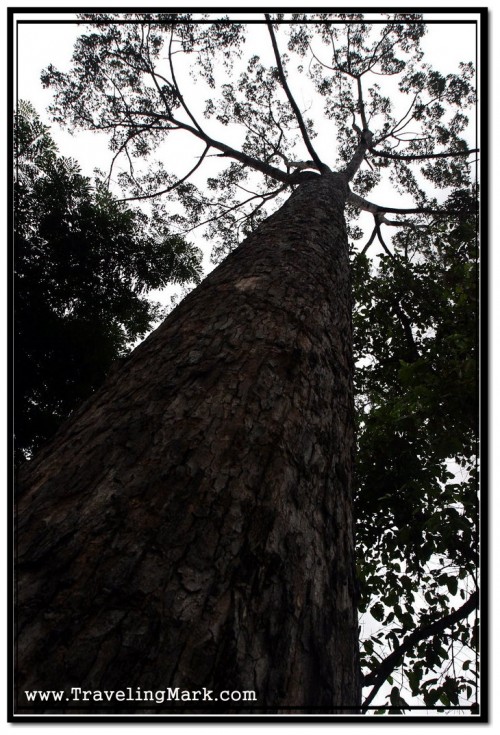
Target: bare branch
<point x="401" y="124"/>
<point x="332" y="68"/>
<point x="123" y="147"/>
<point x="381" y="239"/>
<point x="374" y="59"/>
<point x="176" y="86"/>
<point x="227" y="150"/>
<point x="407" y="330"/>
<point x="265" y="168"/>
<point x="349" y="48"/>
<point x="367" y="206"/>
<point x="321" y="166"/>
<point x="385" y="73"/>
<point x="372" y="238"/>
<point x="401" y="223"/>
<point x="335" y="52"/>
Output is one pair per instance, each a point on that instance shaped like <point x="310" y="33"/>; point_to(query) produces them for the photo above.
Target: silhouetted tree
<point x="200" y="526"/>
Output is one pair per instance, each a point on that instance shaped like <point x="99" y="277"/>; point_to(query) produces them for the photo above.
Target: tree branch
<point x="414" y="353"/>
<point x="227" y="150"/>
<point x="421" y="156"/>
<point x="176" y="86"/>
<point x="132" y="134"/>
<point x="372" y="238"/>
<point x="321" y="166"/>
<point x="381" y="239"/>
<point x="174" y="186"/>
<point x="359" y="155"/>
<point x="388" y="665"/>
<point x="367" y="206"/>
<point x="332" y="68"/>
<point x="374" y="59"/>
<point x="227" y="210"/>
<point x="361" y="104"/>
<point x="265" y="168"/>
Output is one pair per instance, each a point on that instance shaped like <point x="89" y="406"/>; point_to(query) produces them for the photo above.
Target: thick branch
<point x="200" y="133"/>
<point x="372" y="238"/>
<point x="367" y="206"/>
<point x="381" y="239"/>
<point x="388" y="665"/>
<point x="321" y="166"/>
<point x="361" y="104"/>
<point x="359" y="155"/>
<point x="265" y="168"/>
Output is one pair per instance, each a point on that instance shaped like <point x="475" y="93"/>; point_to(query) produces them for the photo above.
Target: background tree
<point x="417" y="510"/>
<point x="84" y="263"/>
<point x="415" y="339"/>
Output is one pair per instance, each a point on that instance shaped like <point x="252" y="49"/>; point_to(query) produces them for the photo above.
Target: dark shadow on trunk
<point x="191" y="525"/>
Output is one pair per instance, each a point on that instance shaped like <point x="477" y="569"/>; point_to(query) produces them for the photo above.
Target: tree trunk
<point x="191" y="525"/>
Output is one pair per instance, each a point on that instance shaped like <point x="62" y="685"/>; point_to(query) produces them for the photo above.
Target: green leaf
<point x="377" y="611"/>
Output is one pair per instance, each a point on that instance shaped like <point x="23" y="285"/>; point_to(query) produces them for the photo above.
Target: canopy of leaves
<point x="83" y="266"/>
<point x="129" y="79"/>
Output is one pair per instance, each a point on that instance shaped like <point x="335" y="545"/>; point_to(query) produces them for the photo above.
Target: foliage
<point x="380" y="113"/>
<point x="83" y="265"/>
<point x="417" y="505"/>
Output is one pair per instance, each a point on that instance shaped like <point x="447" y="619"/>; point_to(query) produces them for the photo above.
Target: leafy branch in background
<point x="417" y="506"/>
<point x="84" y="263"/>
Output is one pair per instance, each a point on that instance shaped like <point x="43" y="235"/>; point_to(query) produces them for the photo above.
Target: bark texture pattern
<point x="191" y="525"/>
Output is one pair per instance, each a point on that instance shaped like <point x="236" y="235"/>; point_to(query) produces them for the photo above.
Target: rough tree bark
<point x="191" y="524"/>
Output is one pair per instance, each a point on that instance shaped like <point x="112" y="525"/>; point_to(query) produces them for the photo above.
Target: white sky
<point x="38" y="49"/>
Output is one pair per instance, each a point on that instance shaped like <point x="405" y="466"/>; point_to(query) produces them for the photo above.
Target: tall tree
<point x="200" y="513"/>
<point x="84" y="263"/>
